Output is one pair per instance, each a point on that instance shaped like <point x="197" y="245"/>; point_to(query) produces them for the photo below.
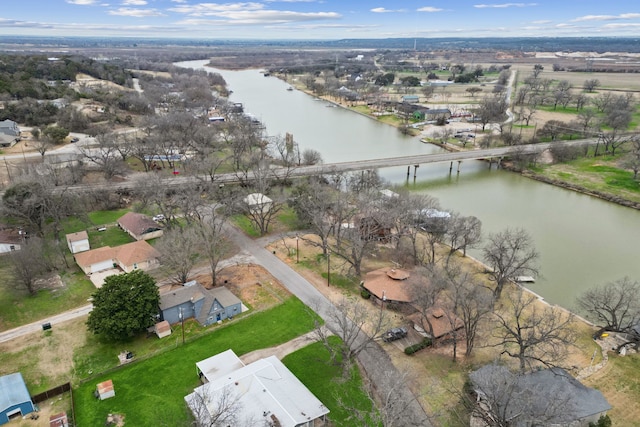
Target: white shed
<point x="78" y="242"/>
<point x="258" y="203"/>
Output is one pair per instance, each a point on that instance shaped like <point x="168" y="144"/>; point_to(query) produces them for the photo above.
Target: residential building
<point x="140" y="226"/>
<point x="266" y="391"/>
<point x="15" y="400"/>
<point x="195" y="301"/>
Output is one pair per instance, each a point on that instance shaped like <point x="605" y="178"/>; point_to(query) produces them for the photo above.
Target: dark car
<point x="75" y="139"/>
<point x="394" y="334"/>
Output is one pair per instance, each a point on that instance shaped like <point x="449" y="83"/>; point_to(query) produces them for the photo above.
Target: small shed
<point x="15" y="401"/>
<point x="59" y="420"/>
<point x="105" y="390"/>
<point x="163" y="329"/>
<point x="78" y="242"/>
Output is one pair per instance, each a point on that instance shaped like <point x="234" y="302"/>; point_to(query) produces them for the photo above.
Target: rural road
<point x="375" y="361"/>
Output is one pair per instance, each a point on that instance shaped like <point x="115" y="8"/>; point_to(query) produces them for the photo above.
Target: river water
<point x="583" y="241"/>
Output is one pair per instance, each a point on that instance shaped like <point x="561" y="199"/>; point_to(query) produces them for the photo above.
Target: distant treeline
<point x="528" y="44"/>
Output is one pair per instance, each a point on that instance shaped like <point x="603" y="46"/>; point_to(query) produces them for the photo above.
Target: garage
<point x="15" y="401"/>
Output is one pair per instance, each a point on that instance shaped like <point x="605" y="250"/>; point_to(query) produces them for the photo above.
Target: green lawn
<point x="151" y="392"/>
<point x="112" y="236"/>
<point x="106" y="217"/>
<point x="311" y="365"/>
<point x="17" y="307"/>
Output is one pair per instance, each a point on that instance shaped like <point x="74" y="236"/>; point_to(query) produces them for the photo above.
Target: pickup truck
<point x="394" y="334"/>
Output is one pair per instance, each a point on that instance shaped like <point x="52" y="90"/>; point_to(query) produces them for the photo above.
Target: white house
<point x="258" y="203"/>
<point x="78" y="242"/>
<point x="266" y="390"/>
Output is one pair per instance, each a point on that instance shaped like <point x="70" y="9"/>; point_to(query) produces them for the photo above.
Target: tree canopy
<point x="125" y="305"/>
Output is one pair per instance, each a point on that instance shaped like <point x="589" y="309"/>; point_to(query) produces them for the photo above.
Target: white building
<point x="265" y="390"/>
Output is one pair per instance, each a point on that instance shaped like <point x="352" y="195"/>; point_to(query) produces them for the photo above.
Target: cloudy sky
<point x="319" y="19"/>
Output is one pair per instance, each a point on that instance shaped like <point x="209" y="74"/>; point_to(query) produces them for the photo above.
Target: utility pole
<point x="328" y="268"/>
<point x="182" y="323"/>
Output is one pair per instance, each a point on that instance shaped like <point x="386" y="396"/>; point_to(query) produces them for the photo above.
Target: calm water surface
<point x="582" y="241"/>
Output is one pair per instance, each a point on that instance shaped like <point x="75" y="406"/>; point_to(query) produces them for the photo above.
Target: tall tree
<point x="615" y="306"/>
<point x="28" y="264"/>
<point x="533" y="334"/>
<point x="509" y="253"/>
<point x="179" y="252"/>
<point x="125" y="305"/>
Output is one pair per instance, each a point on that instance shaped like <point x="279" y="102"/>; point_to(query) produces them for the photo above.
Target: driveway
<point x="98" y="278"/>
<point x="376" y="363"/>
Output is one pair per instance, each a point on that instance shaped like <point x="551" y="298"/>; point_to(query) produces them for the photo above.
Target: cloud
<point x="541" y="22"/>
<point x="135" y="13"/>
<point x="622" y="25"/>
<point x="607" y="17"/>
<point x="248" y="14"/>
<point x="134" y="2"/>
<point x="383" y="10"/>
<point x="503" y="5"/>
<point x="82" y="2"/>
<point x="429" y="9"/>
<point x="179" y="1"/>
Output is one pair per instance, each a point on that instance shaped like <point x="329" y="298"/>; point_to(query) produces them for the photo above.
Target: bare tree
<point x="357" y="326"/>
<point x="468" y="303"/>
<point x="463" y="232"/>
<point x="615" y="305"/>
<point x="212" y="237"/>
<point x="106" y="155"/>
<point x="179" y="252"/>
<point x="425" y="295"/>
<point x="509" y="253"/>
<point x="533" y="334"/>
<point x="632" y="159"/>
<point x="216" y="408"/>
<point x="590" y="85"/>
<point x="28" y="264"/>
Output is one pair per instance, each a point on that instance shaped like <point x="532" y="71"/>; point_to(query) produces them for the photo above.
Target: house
<point x="10" y="240"/>
<point x="265" y="389"/>
<point x="391" y="284"/>
<point x="136" y="256"/>
<point x="7" y="140"/>
<point x="195" y="301"/>
<point x="410" y="99"/>
<point x="78" y="242"/>
<point x="10" y="128"/>
<point x="258" y="203"/>
<point x="545" y="397"/>
<point x="15" y="401"/>
<point x="128" y="257"/>
<point x="430" y="114"/>
<point x="432" y="220"/>
<point x="139" y="226"/>
<point x="435" y="323"/>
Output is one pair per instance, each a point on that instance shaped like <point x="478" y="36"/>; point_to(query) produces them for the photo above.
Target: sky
<point x="319" y="19"/>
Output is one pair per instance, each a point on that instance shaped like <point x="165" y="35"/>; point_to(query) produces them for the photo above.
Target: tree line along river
<point x="583" y="241"/>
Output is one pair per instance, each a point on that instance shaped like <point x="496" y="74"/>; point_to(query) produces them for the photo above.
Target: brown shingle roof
<point x="88" y="258"/>
<point x="10" y="236"/>
<point x="135" y="252"/>
<point x="391" y="284"/>
<point x="137" y="223"/>
<point x="78" y="236"/>
<point x="441" y="321"/>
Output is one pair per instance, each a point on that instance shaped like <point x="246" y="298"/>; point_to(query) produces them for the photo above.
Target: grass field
<point x="311" y="365"/>
<point x="151" y="392"/>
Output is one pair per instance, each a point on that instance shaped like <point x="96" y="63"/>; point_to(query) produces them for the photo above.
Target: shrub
<point x="416" y="347"/>
<point x="365" y="294"/>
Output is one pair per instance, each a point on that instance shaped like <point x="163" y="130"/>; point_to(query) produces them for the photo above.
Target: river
<point x="583" y="241"/>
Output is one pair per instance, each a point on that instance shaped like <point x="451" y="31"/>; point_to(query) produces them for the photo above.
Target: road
<point x="375" y="361"/>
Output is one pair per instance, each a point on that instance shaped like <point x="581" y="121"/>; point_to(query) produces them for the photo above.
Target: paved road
<point x="375" y="361"/>
<point x="37" y="326"/>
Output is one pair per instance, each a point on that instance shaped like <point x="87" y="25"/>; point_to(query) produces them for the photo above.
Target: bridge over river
<point x="358" y="165"/>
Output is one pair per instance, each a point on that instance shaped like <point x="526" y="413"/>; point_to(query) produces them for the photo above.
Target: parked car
<point x="158" y="217"/>
<point x="75" y="139"/>
<point x="394" y="334"/>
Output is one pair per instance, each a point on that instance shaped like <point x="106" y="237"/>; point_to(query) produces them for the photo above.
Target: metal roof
<point x="13" y="391"/>
<point x="266" y="389"/>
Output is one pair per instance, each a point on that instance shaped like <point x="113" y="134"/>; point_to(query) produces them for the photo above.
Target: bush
<point x="416" y="347"/>
<point x="603" y="421"/>
<point x="365" y="294"/>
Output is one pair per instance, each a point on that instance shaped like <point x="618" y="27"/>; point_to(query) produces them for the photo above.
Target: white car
<point x="158" y="217"/>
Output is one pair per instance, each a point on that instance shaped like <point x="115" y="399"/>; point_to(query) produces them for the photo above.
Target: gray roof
<point x="551" y="395"/>
<point x="224" y="296"/>
<point x="13" y="391"/>
<point x="180" y="296"/>
<point x="266" y="390"/>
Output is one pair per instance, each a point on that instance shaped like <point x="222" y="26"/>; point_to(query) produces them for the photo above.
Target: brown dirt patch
<point x="254" y="285"/>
